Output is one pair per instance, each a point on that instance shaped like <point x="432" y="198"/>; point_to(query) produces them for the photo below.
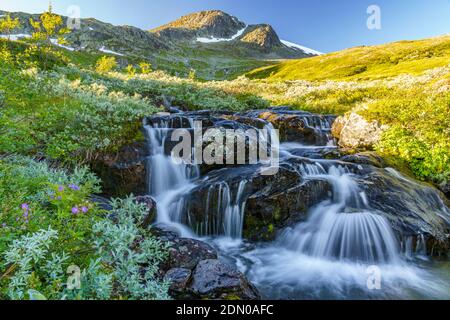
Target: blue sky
<point x="324" y="25"/>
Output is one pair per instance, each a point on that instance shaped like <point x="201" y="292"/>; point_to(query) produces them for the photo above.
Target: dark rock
<point x="194" y="271"/>
<point x="213" y="279"/>
<point x="151" y="207"/>
<point x="179" y="279"/>
<point x="413" y="208"/>
<point x="366" y="158"/>
<point x="123" y="172"/>
<point x="187" y="253"/>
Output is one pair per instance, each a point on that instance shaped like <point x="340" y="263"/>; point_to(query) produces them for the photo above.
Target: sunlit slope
<point x="364" y="63"/>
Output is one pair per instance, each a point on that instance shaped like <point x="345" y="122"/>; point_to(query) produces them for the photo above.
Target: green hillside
<point x="364" y="63"/>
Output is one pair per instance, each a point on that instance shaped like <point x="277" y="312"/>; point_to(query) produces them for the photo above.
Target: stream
<point x="321" y="228"/>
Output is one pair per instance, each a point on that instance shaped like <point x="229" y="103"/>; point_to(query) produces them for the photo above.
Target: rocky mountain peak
<point x="212" y="23"/>
<point x="262" y="35"/>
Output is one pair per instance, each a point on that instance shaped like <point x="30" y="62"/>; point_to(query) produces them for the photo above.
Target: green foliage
<point x="106" y="64"/>
<point x="49" y="229"/>
<point x="115" y="240"/>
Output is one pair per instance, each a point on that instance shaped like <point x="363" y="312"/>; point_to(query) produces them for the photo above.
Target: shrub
<point x="106" y="64"/>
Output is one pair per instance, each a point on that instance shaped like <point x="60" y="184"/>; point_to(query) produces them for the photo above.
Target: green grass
<point x="364" y="63"/>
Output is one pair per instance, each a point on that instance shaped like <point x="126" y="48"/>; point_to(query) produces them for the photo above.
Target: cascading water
<point x="224" y="214"/>
<point x="328" y="256"/>
<point x="344" y="228"/>
<point x="168" y="181"/>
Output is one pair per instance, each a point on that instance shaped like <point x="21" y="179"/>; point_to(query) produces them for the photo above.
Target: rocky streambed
<point x="313" y="230"/>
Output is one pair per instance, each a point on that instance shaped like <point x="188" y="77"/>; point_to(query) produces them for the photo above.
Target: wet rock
<point x="353" y="131"/>
<point x="297" y="126"/>
<point x="213" y="279"/>
<point x="365" y="158"/>
<point x="413" y="208"/>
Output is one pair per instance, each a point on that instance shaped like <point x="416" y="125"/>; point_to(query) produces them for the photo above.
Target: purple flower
<point x="25" y="207"/>
<point x="75" y="210"/>
<point x="4" y="225"/>
<point x="84" y="209"/>
<point x="74" y="187"/>
<point x="60" y="188"/>
<point x="25" y="215"/>
<point x="59" y="198"/>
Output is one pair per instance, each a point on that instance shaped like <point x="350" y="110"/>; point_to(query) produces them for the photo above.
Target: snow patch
<point x="212" y="40"/>
<point x="103" y="49"/>
<point x="16" y="37"/>
<point x="90" y="28"/>
<point x="305" y="49"/>
<point x="55" y="42"/>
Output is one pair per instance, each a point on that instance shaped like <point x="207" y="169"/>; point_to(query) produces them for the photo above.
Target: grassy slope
<point x="364" y="63"/>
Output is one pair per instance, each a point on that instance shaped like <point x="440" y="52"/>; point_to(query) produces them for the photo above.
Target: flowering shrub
<point x="49" y="226"/>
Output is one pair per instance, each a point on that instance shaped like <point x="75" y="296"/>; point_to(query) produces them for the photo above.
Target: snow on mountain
<point x="211" y="40"/>
<point x="305" y="49"/>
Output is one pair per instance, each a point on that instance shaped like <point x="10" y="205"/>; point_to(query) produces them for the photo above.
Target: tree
<point x="146" y="67"/>
<point x="106" y="64"/>
<point x="7" y="25"/>
<point x="49" y="26"/>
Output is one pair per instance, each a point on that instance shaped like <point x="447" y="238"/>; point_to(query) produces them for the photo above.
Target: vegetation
<point x="64" y="109"/>
<point x="364" y="63"/>
<point x="7" y="25"/>
<point x="106" y="64"/>
<point x="55" y="242"/>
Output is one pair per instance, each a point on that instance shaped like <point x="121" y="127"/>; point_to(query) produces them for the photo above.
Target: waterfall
<point x="224" y="213"/>
<point x="343" y="228"/>
<point x="168" y="181"/>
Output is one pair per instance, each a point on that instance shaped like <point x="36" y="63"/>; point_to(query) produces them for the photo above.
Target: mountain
<point x="214" y="43"/>
<point x="364" y="63"/>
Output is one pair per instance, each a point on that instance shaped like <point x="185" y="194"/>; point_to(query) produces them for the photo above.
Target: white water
<point x="228" y="214"/>
<point x="168" y="182"/>
<point x="329" y="256"/>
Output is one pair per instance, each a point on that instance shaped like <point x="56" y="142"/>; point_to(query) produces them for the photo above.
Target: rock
<point x="366" y="158"/>
<point x="194" y="271"/>
<point x="123" y="172"/>
<point x="183" y="253"/>
<point x="353" y="131"/>
<point x="151" y="207"/>
<point x="412" y="208"/>
<point x="298" y="126"/>
<point x="213" y="279"/>
<point x="179" y="279"/>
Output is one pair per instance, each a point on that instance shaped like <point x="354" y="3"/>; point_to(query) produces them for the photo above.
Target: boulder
<point x="353" y="131"/>
<point x="213" y="279"/>
<point x="124" y="171"/>
<point x="195" y="272"/>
